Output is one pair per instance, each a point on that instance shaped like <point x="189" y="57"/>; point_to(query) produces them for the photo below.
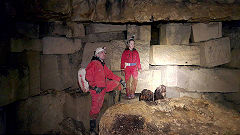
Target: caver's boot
<point x="128" y="93"/>
<point x="93" y="127"/>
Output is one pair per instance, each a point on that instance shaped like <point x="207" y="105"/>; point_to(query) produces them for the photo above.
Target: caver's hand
<point x="98" y="89"/>
<point x="122" y="72"/>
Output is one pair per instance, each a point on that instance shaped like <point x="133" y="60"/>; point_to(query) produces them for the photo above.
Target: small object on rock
<point x="146" y="95"/>
<point x="160" y="93"/>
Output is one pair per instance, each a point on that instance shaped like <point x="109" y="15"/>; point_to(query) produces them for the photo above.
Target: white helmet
<point x="100" y="49"/>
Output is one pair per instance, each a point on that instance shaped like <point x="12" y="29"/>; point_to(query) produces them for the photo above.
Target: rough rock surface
<point x="170" y="116"/>
<point x="153" y="10"/>
<point x="126" y="10"/>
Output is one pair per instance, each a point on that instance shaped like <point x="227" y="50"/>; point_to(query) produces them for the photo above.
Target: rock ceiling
<point x="123" y="11"/>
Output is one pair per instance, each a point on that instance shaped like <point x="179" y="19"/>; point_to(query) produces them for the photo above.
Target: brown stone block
<point x="204" y="32"/>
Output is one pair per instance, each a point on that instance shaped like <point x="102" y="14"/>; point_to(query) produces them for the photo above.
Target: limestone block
<point x="173" y="92"/>
<point x="234" y="34"/>
<point x="141" y="32"/>
<point x="190" y="94"/>
<point x="176" y="92"/>
<point x="145" y="81"/>
<point x="58" y="28"/>
<point x="49" y="73"/>
<point x="235" y="59"/>
<point x="169" y="75"/>
<point x="60" y="45"/>
<point x="203" y="32"/>
<point x="76" y="30"/>
<point x="215" y="52"/>
<point x="132" y="30"/>
<point x="166" y="75"/>
<point x="29" y="30"/>
<point x="78" y="113"/>
<point x="104" y="37"/>
<point x="45" y="113"/>
<point x="41" y="114"/>
<point x="14" y="85"/>
<point x="99" y="28"/>
<point x="33" y="59"/>
<point x="145" y="32"/>
<point x="156" y="80"/>
<point x="19" y="45"/>
<point x="208" y="80"/>
<point x="57" y="72"/>
<point x="89" y="49"/>
<point x="174" y="55"/>
<point x="175" y="34"/>
<point x="118" y="48"/>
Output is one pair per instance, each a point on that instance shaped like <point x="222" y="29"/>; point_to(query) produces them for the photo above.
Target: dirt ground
<point x="170" y="116"/>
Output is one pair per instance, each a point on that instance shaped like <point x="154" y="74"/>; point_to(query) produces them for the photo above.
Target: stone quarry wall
<point x="54" y="51"/>
<point x="53" y="112"/>
<point x="191" y="59"/>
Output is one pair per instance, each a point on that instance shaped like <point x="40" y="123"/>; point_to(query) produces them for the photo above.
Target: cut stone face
<point x="174" y="55"/>
<point x="99" y="28"/>
<point x="19" y="45"/>
<point x="175" y="34"/>
<point x="141" y="32"/>
<point x="215" y="52"/>
<point x="208" y="80"/>
<point x="56" y="72"/>
<point x="104" y="37"/>
<point x="60" y="45"/>
<point x="76" y="30"/>
<point x="204" y="32"/>
<point x="235" y="59"/>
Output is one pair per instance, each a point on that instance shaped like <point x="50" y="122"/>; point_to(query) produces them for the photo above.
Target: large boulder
<point x="170" y="116"/>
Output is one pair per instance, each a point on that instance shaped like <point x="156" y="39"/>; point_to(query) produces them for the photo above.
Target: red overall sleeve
<point x="90" y="70"/>
<point x="110" y="74"/>
<point x="123" y="60"/>
<point x="138" y="61"/>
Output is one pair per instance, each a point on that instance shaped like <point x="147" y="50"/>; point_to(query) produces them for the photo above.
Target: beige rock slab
<point x="174" y="55"/>
<point x="60" y="45"/>
<point x="206" y="31"/>
<point x="19" y="45"/>
<point x="215" y="52"/>
<point x="175" y="34"/>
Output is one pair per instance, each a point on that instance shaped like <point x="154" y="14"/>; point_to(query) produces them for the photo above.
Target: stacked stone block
<point x="141" y="32"/>
<point x="204" y="32"/>
<point x="60" y="45"/>
<point x="104" y="32"/>
<point x="175" y="34"/>
<point x="174" y="55"/>
<point x="208" y="50"/>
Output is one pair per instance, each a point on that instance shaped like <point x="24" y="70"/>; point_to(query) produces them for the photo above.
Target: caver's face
<point x="131" y="45"/>
<point x="101" y="55"/>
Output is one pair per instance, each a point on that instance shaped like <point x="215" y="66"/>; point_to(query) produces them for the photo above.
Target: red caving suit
<point x="130" y="63"/>
<point x="97" y="74"/>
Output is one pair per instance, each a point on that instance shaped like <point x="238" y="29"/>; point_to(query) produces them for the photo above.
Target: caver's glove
<point x="123" y="84"/>
<point x="98" y="89"/>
